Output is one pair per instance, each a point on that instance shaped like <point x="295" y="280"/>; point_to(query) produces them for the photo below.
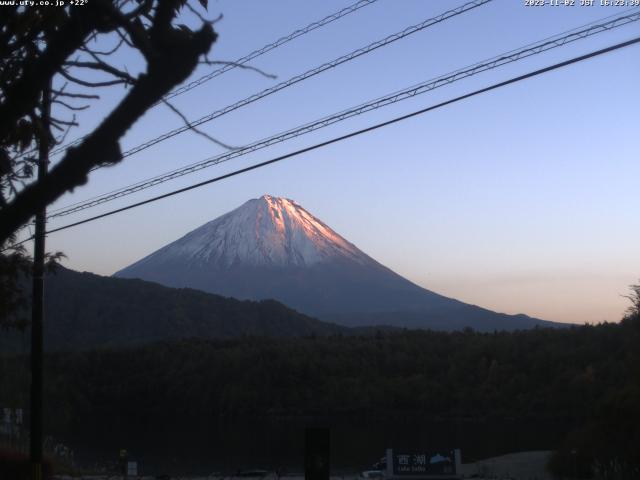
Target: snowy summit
<point x="266" y="231"/>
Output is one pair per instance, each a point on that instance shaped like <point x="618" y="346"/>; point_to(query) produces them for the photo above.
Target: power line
<point x="308" y="74"/>
<point x="357" y="132"/>
<point x="465" y="72"/>
<point x="248" y="57"/>
<point x="267" y="48"/>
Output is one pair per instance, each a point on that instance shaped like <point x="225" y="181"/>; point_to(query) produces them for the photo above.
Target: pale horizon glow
<point x="521" y="200"/>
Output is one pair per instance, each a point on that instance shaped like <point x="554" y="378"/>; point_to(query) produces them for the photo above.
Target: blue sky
<point x="523" y="199"/>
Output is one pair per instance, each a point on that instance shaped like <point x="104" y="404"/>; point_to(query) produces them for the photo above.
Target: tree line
<point x="587" y="377"/>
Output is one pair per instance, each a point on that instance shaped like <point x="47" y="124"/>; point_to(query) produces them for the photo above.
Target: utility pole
<point x="37" y="301"/>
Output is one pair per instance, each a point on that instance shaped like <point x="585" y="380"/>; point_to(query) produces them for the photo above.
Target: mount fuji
<point x="272" y="248"/>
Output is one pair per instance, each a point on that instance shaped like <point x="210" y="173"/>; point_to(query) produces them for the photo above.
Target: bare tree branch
<point x="211" y="22"/>
<point x="136" y="32"/>
<point x="239" y="65"/>
<point x="178" y="52"/>
<point x="76" y="95"/>
<point x="22" y="95"/>
<point x="63" y="137"/>
<point x="58" y="121"/>
<point x="105" y="67"/>
<point x="123" y="37"/>
<point x="86" y="83"/>
<point x="104" y="53"/>
<point x="195" y="129"/>
<point x="143" y="9"/>
<point x="70" y="107"/>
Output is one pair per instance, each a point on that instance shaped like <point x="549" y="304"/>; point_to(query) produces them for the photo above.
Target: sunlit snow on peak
<point x="267" y="231"/>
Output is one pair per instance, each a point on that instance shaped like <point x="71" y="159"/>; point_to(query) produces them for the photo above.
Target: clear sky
<point x="522" y="200"/>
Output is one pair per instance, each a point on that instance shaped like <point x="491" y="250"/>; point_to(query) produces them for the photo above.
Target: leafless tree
<point x="60" y="52"/>
<point x="39" y="45"/>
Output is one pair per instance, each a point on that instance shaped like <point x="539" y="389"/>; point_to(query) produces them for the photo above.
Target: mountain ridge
<point x="85" y="311"/>
<point x="272" y="247"/>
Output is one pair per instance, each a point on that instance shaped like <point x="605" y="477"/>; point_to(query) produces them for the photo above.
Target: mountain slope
<point x="84" y="311"/>
<point x="273" y="248"/>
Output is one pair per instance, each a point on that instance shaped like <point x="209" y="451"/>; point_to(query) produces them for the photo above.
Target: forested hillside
<point x="585" y="377"/>
<point x="85" y="311"/>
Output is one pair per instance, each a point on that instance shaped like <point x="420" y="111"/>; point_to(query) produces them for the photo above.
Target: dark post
<point x="37" y="301"/>
<point x="316" y="454"/>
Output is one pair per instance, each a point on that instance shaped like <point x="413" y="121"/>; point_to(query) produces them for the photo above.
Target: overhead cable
<point x="355" y="133"/>
<point x="308" y="74"/>
<point x="500" y="60"/>
<point x="248" y="57"/>
<point x="267" y="48"/>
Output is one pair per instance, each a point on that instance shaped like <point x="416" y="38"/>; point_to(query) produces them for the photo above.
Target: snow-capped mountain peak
<point x="272" y="248"/>
<point x="266" y="231"/>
